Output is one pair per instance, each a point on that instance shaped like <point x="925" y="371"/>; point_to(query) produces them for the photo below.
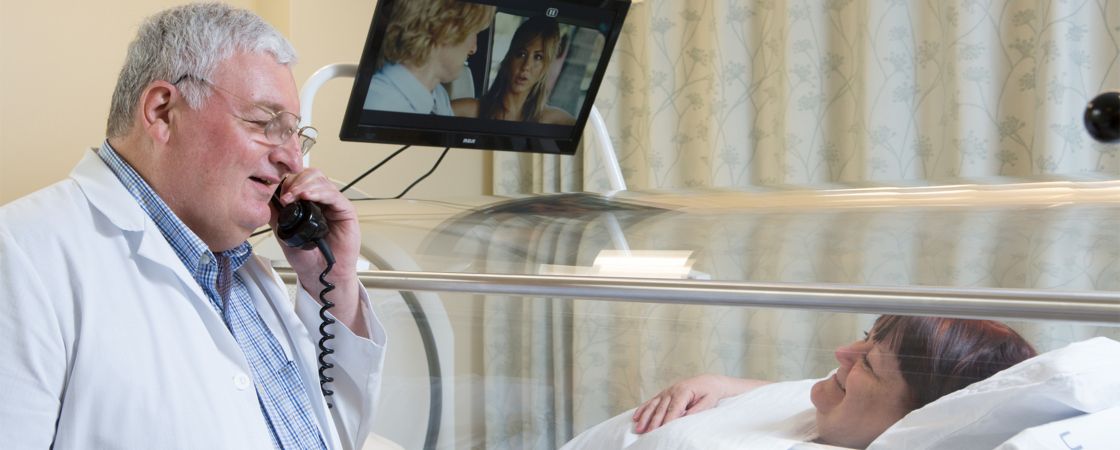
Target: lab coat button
<point x="241" y="381"/>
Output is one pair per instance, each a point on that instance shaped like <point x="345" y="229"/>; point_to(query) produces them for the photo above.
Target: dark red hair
<point x="939" y="355"/>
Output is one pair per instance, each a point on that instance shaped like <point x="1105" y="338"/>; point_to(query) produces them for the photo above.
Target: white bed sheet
<point x="1096" y="430"/>
<point x="777" y="416"/>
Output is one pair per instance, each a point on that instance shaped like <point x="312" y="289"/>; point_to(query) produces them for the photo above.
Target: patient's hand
<point x="689" y="396"/>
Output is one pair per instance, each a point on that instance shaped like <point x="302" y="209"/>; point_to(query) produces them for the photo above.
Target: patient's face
<point x="865" y="397"/>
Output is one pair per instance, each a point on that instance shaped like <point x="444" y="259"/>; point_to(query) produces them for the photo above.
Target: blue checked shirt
<point x="283" y="401"/>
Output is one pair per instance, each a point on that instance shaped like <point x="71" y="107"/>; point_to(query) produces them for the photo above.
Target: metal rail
<point x="1095" y="307"/>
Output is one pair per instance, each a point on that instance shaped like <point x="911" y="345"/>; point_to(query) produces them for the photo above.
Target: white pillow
<point x="1096" y="430"/>
<point x="1080" y="378"/>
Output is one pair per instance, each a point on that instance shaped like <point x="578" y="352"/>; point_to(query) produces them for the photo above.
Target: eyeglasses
<point x="278" y="128"/>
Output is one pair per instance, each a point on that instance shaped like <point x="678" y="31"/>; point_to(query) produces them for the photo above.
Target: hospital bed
<point x="762" y="283"/>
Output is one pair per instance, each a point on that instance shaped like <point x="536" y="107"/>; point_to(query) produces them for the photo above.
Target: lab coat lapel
<point x="106" y="194"/>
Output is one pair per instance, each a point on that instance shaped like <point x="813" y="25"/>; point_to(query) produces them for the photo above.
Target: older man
<point x="133" y="313"/>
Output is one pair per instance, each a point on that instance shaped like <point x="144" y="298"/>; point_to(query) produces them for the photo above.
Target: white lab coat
<point x="106" y="341"/>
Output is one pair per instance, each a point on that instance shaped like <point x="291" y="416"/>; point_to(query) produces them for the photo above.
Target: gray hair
<point x="189" y="40"/>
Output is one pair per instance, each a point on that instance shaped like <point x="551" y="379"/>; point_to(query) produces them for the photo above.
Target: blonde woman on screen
<point x="425" y="45"/>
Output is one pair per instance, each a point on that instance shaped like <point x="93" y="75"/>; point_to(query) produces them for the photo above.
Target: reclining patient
<point x="902" y="364"/>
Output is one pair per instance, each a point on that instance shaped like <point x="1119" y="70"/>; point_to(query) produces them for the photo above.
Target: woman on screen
<point x="425" y="44"/>
<point x="520" y="91"/>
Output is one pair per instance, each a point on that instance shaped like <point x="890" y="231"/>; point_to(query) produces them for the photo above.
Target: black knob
<point x="1102" y="117"/>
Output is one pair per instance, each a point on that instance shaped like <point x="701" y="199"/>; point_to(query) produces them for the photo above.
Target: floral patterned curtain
<point x="734" y="93"/>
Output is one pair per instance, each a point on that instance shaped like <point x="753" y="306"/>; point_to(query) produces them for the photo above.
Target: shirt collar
<point x="419" y="97"/>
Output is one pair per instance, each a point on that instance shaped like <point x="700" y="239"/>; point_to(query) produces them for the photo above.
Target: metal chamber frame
<point x="1093" y="307"/>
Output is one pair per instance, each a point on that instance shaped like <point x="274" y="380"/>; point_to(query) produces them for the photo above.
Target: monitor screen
<point x="517" y="75"/>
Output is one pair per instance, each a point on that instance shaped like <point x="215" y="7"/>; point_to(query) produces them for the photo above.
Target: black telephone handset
<point x="301" y="224"/>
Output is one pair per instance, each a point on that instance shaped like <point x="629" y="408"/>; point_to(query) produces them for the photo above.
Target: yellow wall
<point x="58" y="65"/>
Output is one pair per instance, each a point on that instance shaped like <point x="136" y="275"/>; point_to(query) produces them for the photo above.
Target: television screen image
<point x="516" y="75"/>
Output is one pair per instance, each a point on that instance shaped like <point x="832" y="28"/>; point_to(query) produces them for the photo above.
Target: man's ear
<point x="156" y="105"/>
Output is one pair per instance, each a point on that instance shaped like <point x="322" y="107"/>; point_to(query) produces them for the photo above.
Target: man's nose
<point x="289" y="154"/>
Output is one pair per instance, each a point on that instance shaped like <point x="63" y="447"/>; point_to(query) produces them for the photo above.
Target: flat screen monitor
<point x="518" y="75"/>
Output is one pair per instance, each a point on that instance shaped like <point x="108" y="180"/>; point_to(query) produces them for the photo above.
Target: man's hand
<point x="344" y="238"/>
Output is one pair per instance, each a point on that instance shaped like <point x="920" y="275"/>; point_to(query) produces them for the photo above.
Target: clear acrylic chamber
<point x="522" y="322"/>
